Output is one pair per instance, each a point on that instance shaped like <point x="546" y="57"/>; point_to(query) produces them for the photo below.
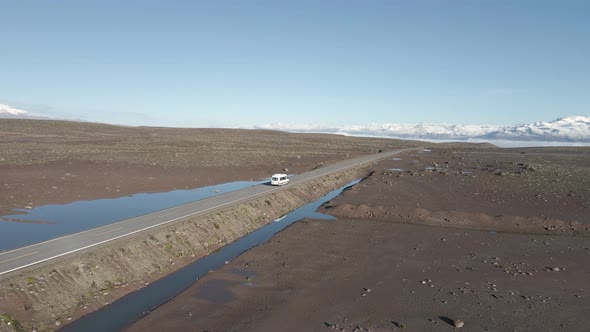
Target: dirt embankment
<point x="533" y="191"/>
<point x="47" y="296"/>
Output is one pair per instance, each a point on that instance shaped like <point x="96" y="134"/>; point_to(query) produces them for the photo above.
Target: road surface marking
<point x="112" y="230"/>
<point x="21" y="256"/>
<point x="140" y="230"/>
<point x="345" y="165"/>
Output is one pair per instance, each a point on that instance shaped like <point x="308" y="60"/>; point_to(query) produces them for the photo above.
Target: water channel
<point x="29" y="226"/>
<point x="125" y="311"/>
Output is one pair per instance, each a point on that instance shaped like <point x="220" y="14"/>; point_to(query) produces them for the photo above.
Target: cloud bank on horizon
<point x="565" y="129"/>
<point x="571" y="130"/>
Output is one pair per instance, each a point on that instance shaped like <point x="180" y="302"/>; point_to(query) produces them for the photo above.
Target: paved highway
<point x="40" y="252"/>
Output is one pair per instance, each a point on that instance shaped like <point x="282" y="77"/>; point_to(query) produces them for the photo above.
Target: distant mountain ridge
<point x="9" y="112"/>
<point x="574" y="129"/>
<point x="566" y="129"/>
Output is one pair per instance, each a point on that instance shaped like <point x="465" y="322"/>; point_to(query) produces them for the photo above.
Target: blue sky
<point x="241" y="63"/>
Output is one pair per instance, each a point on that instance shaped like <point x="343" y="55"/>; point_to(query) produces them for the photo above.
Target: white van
<point x="279" y="179"/>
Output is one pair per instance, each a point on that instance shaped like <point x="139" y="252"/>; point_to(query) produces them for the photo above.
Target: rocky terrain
<point x="479" y="239"/>
<point x="51" y="294"/>
<point x="542" y="191"/>
<point x="48" y="162"/>
<point x="452" y="237"/>
<point x="325" y="275"/>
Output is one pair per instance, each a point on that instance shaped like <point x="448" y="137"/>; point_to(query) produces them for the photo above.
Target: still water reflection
<point x="29" y="226"/>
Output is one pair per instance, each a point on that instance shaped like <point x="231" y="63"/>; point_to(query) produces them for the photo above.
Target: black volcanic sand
<point x="376" y="270"/>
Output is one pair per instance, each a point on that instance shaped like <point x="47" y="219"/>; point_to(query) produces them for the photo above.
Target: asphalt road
<point x="40" y="252"/>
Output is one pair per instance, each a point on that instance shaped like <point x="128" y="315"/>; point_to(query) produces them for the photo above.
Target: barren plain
<point x="46" y="162"/>
<point x="51" y="162"/>
<point x="450" y="238"/>
<point x="456" y="235"/>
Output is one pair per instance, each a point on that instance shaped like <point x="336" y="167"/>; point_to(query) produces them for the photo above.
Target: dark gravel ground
<point x="55" y="162"/>
<point x="512" y="255"/>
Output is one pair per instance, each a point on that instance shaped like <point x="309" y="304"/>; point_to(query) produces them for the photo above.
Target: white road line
<point x="348" y="164"/>
<point x="112" y="230"/>
<point x="21" y="256"/>
<point x="137" y="231"/>
<point x="126" y="234"/>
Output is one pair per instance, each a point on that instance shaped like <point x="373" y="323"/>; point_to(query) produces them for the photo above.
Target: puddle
<point x="396" y="158"/>
<point x="125" y="311"/>
<point x="216" y="291"/>
<point x="29" y="226"/>
<point x="426" y="150"/>
<point x="396" y="169"/>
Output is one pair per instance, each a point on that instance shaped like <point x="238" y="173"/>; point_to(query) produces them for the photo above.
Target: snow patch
<point x="573" y="130"/>
<point x="9" y="112"/>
